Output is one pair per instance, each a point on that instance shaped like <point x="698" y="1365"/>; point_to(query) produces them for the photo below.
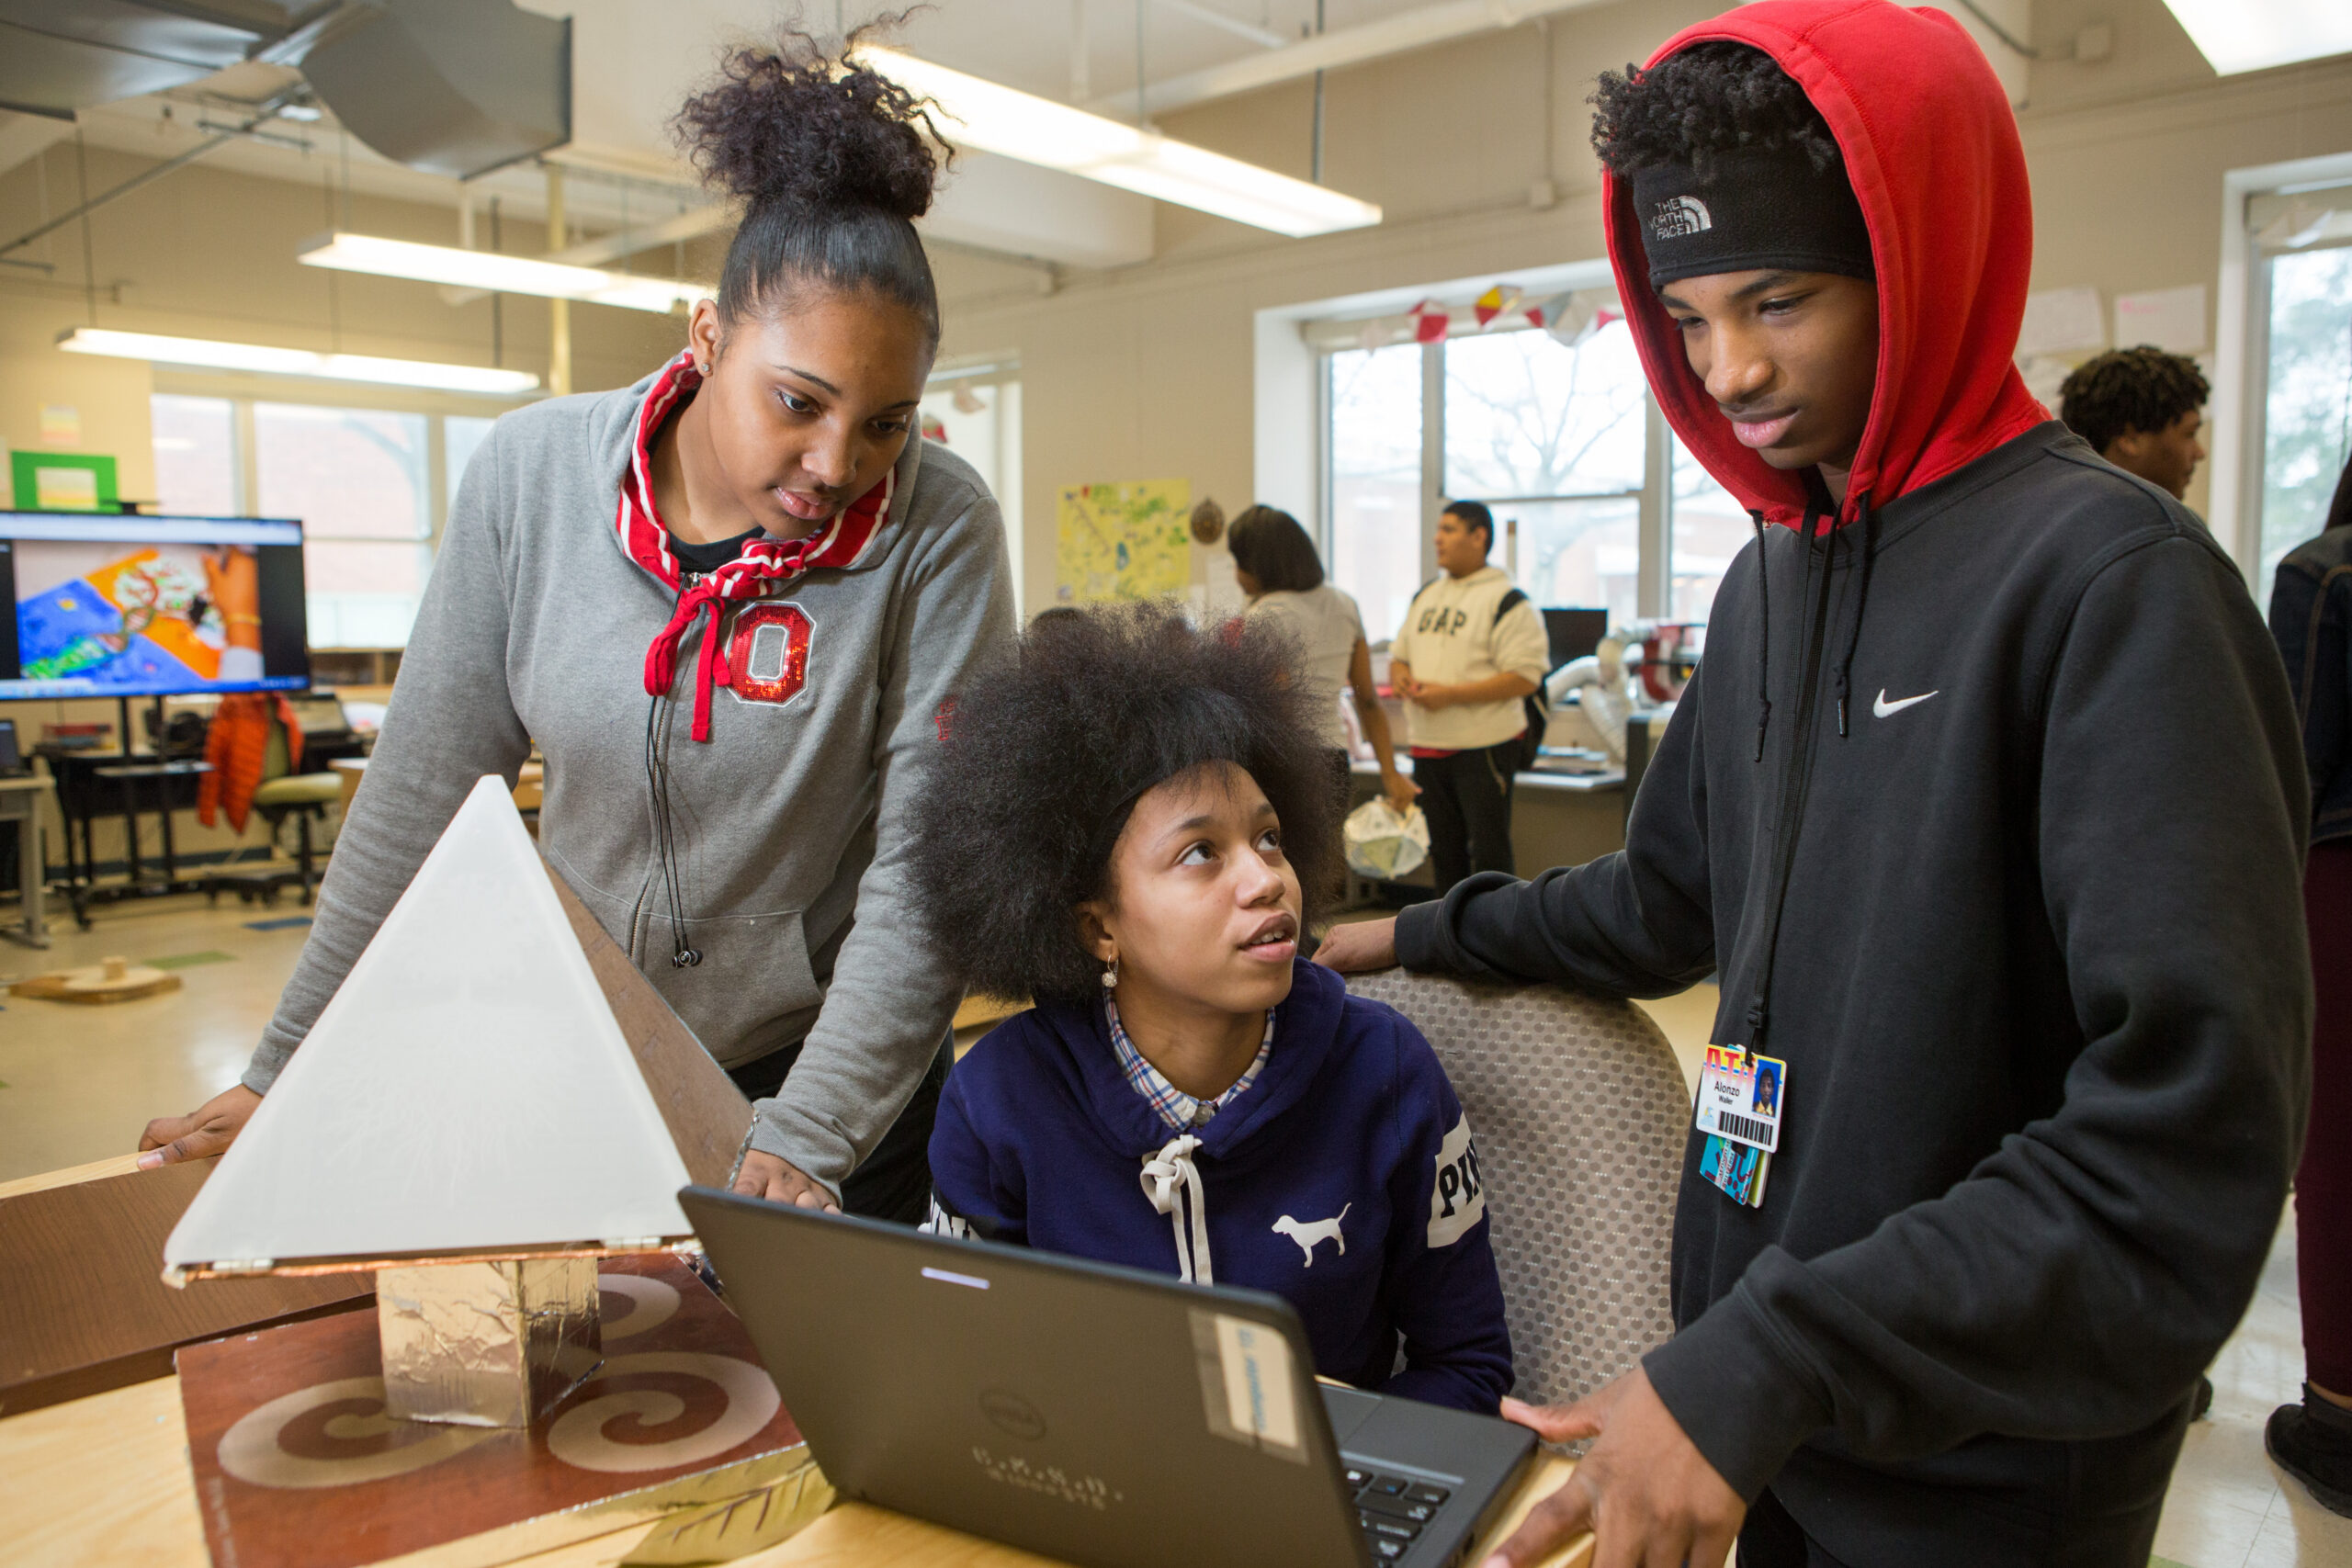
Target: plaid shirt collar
<point x="1180" y="1110"/>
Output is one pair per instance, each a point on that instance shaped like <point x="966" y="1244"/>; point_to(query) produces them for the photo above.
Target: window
<point x="1552" y="435"/>
<point x="1374" y="528"/>
<point x="461" y="437"/>
<point x="2307" y="402"/>
<point x="1551" y="438"/>
<point x="371" y="487"/>
<point x="357" y="481"/>
<point x="195" y="456"/>
<point x="1706" y="527"/>
<point x="976" y="413"/>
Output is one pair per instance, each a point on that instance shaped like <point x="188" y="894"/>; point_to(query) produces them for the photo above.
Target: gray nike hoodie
<point x="788" y="822"/>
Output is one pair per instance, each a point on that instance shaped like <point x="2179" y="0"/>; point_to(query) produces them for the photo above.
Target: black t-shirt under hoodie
<point x="2000" y="849"/>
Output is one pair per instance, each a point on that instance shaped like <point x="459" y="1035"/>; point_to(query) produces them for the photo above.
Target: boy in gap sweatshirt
<point x="1129" y="826"/>
<point x="1988" y="808"/>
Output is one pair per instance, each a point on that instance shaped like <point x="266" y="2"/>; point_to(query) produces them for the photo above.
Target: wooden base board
<point x="296" y="1466"/>
<point x="82" y="1305"/>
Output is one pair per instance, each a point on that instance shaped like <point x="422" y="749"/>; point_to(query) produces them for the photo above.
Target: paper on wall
<point x="2059" y="319"/>
<point x="2169" y="318"/>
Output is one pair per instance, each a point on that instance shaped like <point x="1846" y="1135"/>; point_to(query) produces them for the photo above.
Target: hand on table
<point x="1647" y="1492"/>
<point x="207" y="1130"/>
<point x="1359" y="946"/>
<point x="780" y="1181"/>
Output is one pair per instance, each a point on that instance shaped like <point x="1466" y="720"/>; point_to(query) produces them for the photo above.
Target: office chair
<point x="282" y="794"/>
<point x="1579" y="1111"/>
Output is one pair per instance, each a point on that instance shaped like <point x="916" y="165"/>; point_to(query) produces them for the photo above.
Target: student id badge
<point x="1739" y="1105"/>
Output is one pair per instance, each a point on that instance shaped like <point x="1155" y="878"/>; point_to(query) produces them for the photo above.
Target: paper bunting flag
<point x="1374" y="336"/>
<point x="1494" y="302"/>
<point x="1429" y="320"/>
<point x="1545" y="312"/>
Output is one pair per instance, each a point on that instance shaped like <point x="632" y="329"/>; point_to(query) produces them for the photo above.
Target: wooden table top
<point x="104" y="1482"/>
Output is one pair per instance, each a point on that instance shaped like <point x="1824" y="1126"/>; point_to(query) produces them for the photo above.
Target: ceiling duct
<point x="455" y="87"/>
<point x="60" y="55"/>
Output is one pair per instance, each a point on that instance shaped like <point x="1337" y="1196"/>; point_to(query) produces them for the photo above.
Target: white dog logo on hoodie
<point x="1308" y="1234"/>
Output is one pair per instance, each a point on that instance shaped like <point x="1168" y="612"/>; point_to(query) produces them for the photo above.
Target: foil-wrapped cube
<point x="487" y="1344"/>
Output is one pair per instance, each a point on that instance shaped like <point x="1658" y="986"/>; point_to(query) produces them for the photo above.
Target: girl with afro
<point x="1132" y="825"/>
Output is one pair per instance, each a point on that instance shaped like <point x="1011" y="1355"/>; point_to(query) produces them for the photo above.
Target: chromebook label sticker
<point x="1248" y="1384"/>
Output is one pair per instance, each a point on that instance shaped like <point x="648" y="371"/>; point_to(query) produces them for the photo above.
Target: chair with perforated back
<point x="1580" y="1112"/>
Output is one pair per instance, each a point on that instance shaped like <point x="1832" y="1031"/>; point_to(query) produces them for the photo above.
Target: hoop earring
<point x="1111" y="975"/>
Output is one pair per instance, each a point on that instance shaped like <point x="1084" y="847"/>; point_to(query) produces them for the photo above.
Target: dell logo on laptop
<point x="1010" y="1412"/>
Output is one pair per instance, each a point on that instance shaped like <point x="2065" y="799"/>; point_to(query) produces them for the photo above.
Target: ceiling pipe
<point x="1349" y="46"/>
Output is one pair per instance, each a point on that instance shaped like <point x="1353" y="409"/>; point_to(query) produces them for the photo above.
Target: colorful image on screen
<point x="130" y="616"/>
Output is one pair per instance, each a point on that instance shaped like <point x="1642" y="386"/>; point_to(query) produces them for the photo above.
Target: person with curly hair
<point x="1985" y="730"/>
<point x="2143" y="410"/>
<point x="1133" y="825"/>
<point x="729" y="603"/>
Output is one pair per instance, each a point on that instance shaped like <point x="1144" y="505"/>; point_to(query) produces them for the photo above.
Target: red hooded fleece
<point x="1932" y="151"/>
<point x="2022" y="918"/>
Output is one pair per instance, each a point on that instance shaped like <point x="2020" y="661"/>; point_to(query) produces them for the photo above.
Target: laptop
<point x="1088" y="1412"/>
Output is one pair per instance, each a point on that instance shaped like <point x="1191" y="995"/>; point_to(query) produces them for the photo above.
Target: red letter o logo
<point x="791" y="638"/>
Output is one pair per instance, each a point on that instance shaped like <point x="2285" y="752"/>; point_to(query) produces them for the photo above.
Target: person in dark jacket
<point x="1987" y="807"/>
<point x="1133" y="826"/>
<point x="2310" y="615"/>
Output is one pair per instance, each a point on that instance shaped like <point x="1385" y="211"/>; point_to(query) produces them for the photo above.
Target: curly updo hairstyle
<point x="1709" y="98"/>
<point x="833" y="163"/>
<point x="2142" y="388"/>
<point x="1046" y="755"/>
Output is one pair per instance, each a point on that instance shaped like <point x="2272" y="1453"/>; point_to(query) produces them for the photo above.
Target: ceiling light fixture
<point x="990" y="117"/>
<point x="496" y="274"/>
<point x="297" y="362"/>
<point x="2254" y="35"/>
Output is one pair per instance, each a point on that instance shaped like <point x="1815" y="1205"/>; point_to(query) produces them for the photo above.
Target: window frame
<point x="243" y="392"/>
<point x="1654" y="496"/>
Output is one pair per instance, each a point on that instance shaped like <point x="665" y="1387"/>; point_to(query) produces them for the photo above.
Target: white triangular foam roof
<point x="466" y="1092"/>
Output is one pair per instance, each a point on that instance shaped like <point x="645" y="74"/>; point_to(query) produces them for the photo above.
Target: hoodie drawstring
<point x="1868" y="522"/>
<point x="1170" y="1179"/>
<point x="709" y="594"/>
<point x="1763" y="637"/>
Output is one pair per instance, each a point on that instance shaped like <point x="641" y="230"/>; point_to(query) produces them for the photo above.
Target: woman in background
<point x="1277" y="568"/>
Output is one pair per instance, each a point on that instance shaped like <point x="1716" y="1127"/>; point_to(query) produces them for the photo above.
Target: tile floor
<point x="77" y="1084"/>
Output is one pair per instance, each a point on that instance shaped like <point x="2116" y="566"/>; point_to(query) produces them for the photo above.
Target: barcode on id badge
<point x="1746" y="1129"/>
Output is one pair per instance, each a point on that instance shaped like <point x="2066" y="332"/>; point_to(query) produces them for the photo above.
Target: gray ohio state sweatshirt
<point x="788" y="823"/>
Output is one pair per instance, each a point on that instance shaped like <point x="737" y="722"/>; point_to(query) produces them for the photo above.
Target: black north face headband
<point x="1751" y="212"/>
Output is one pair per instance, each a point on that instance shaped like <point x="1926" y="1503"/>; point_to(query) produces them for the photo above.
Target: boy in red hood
<point x="1987" y="809"/>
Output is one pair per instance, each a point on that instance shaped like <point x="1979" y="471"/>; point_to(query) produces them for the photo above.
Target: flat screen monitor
<point x="1574" y="633"/>
<point x="119" y="606"/>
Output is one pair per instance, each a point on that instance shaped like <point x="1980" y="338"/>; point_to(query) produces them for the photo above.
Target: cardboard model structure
<point x="495" y="1099"/>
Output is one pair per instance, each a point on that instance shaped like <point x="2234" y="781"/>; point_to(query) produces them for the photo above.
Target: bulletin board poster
<point x="1123" y="541"/>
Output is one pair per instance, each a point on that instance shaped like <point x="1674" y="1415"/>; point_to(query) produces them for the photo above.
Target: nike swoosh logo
<point x="1882" y="707"/>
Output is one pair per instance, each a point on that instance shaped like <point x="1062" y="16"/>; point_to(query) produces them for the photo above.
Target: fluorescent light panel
<point x="2254" y="35"/>
<point x="297" y="362"/>
<point x="497" y="274"/>
<point x="1001" y="119"/>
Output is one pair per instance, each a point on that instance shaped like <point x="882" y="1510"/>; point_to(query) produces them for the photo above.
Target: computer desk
<point x="104" y="1482"/>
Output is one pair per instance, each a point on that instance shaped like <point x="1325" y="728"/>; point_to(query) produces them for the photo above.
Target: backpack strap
<point x="1508" y="602"/>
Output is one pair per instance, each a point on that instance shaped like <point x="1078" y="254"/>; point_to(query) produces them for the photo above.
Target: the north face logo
<point x="1683" y="215"/>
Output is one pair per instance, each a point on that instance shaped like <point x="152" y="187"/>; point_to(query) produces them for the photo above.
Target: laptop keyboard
<point x="1393" y="1510"/>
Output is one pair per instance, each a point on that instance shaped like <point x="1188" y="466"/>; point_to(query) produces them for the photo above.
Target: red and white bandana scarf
<point x="765" y="562"/>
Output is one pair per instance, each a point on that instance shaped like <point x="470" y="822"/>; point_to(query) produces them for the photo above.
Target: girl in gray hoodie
<point x="731" y="605"/>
